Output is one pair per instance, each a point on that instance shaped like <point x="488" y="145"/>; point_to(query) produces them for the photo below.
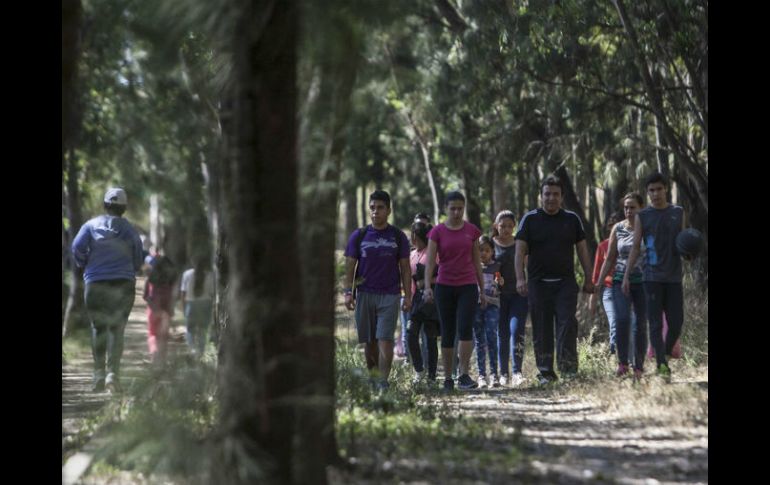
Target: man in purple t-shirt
<point x="380" y="263"/>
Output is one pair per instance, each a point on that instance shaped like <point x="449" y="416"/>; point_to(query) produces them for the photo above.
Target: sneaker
<point x="503" y="380"/>
<point x="622" y="370"/>
<point x="664" y="371"/>
<point x="112" y="383"/>
<point x="482" y="382"/>
<point x="545" y="379"/>
<point x="98" y="386"/>
<point x="418" y="377"/>
<point x="465" y="382"/>
<point x="449" y="385"/>
<point x="493" y="381"/>
<point x="517" y="379"/>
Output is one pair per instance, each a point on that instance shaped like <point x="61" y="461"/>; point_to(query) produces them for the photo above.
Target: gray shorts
<point x="376" y="316"/>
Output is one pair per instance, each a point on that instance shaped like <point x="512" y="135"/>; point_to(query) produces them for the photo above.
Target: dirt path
<point x="79" y="403"/>
<point x="574" y="439"/>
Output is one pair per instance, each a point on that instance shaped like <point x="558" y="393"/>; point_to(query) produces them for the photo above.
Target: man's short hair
<point x="380" y="195"/>
<point x="552" y="180"/>
<point x="654" y="178"/>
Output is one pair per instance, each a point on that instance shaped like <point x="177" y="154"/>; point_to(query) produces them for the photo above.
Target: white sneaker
<point x="494" y="381"/>
<point x="517" y="379"/>
<point x="482" y="382"/>
<point x="503" y="380"/>
<point x="418" y="377"/>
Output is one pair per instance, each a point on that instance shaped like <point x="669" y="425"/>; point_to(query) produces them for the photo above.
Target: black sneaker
<point x="545" y="379"/>
<point x="449" y="385"/>
<point x="465" y="382"/>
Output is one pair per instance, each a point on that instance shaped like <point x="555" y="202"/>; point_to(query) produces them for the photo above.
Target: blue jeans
<point x="485" y="332"/>
<point x="513" y="319"/>
<point x="668" y="298"/>
<point x="630" y="323"/>
<point x="609" y="309"/>
<point x="197" y="315"/>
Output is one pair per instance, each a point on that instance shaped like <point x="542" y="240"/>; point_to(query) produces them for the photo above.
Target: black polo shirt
<point x="551" y="240"/>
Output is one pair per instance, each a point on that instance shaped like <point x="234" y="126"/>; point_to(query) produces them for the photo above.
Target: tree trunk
<point x="74" y="315"/>
<point x="258" y="387"/>
<point x="472" y="209"/>
<point x="351" y="218"/>
<point x="364" y="206"/>
<point x="593" y="203"/>
<point x="72" y="14"/>
<point x="534" y="186"/>
<point x="521" y="191"/>
<point x="72" y="18"/>
<point x="571" y="202"/>
<point x="328" y="113"/>
<point x="500" y="192"/>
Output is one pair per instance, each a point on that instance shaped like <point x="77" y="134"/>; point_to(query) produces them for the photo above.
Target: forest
<point x="250" y="133"/>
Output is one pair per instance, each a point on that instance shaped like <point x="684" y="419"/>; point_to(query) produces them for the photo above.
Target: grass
<point x="163" y="426"/>
<point x="160" y="427"/>
<point x="415" y="428"/>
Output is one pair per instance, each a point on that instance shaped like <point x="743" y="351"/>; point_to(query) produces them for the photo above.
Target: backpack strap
<point x="361" y="235"/>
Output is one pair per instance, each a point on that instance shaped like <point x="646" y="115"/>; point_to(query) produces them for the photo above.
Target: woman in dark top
<point x="513" y="307"/>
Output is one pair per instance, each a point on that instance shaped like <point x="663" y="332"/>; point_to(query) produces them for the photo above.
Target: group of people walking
<point x="475" y="291"/>
<point x="109" y="250"/>
<point x="460" y="287"/>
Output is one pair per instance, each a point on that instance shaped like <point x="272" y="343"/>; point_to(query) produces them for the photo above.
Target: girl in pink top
<point x="459" y="287"/>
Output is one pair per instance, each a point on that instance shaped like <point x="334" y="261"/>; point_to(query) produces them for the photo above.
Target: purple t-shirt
<point x="378" y="270"/>
<point x="455" y="252"/>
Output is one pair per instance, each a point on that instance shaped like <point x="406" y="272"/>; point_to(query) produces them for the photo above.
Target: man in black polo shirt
<point x="548" y="235"/>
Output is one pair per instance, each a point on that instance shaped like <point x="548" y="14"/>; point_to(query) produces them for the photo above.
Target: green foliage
<point x="408" y="422"/>
<point x="163" y="424"/>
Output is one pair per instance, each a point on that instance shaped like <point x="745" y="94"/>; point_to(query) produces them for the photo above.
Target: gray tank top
<point x="659" y="230"/>
<point x="625" y="243"/>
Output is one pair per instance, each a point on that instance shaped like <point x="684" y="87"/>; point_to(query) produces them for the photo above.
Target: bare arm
<point x="611" y="259"/>
<point x="522" y="249"/>
<point x="479" y="275"/>
<point x="431" y="264"/>
<point x="585" y="262"/>
<point x="406" y="283"/>
<point x="634" y="255"/>
<point x="350" y="268"/>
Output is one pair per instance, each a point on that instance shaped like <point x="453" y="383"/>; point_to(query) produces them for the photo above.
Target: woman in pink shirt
<point x="459" y="287"/>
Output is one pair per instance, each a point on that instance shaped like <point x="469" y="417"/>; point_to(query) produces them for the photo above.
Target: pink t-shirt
<point x="455" y="251"/>
<point x="417" y="257"/>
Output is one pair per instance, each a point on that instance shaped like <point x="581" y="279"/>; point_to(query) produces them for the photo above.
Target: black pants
<point x="456" y="311"/>
<point x="552" y="306"/>
<point x="665" y="298"/>
<point x="413" y="340"/>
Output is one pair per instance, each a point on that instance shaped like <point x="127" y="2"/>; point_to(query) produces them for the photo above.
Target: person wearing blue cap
<point x="110" y="251"/>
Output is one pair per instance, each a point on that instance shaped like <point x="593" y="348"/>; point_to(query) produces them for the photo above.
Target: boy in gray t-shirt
<point x="658" y="225"/>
